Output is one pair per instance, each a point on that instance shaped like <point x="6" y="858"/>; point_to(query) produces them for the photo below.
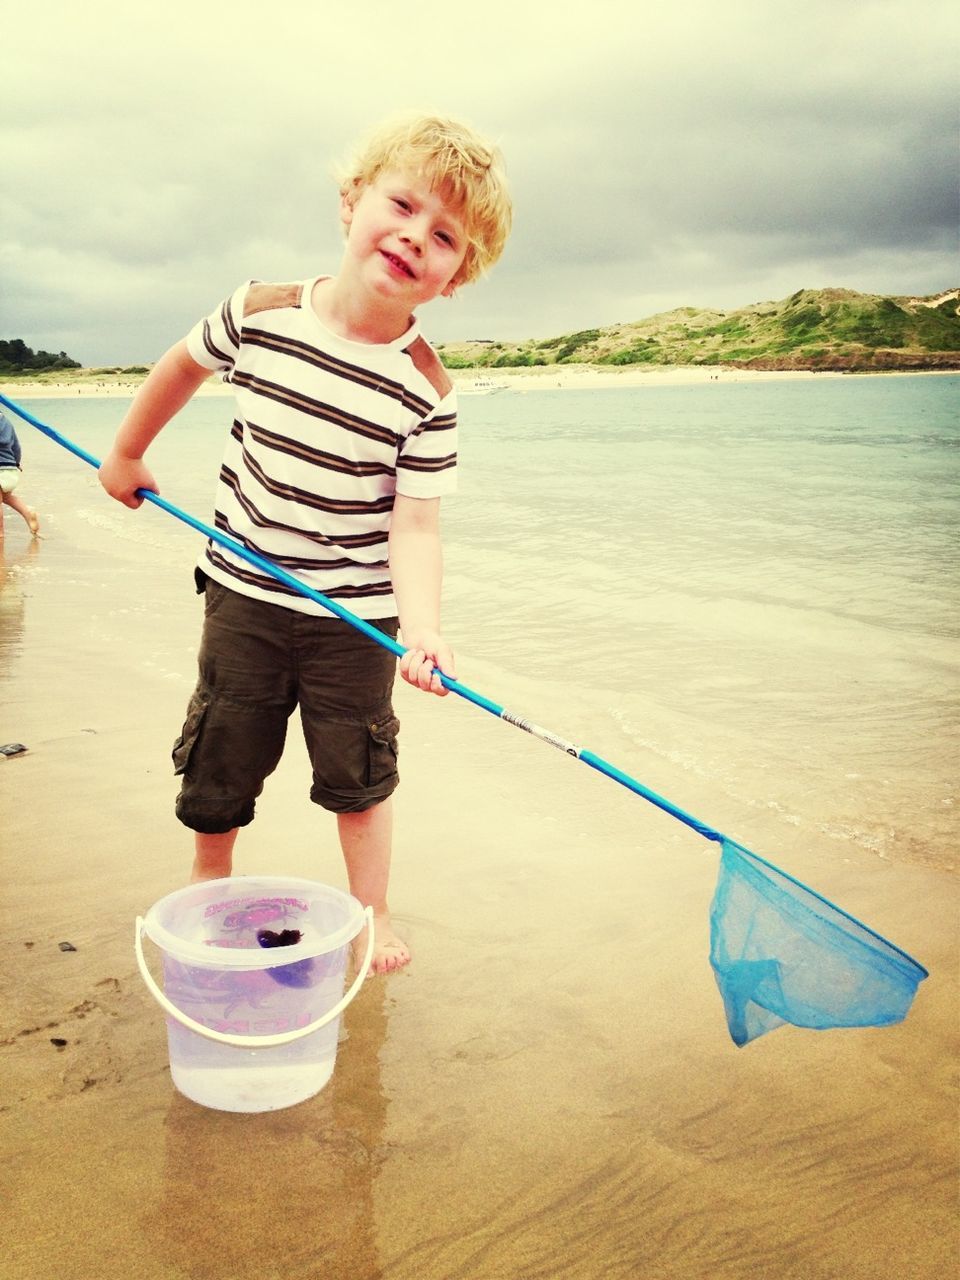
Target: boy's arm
<point x="416" y="566"/>
<point x="167" y="388"/>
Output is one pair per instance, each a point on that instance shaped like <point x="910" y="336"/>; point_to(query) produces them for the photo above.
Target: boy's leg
<point x="366" y="839"/>
<point x="351" y="734"/>
<point x="21" y="508"/>
<point x="213" y="855"/>
<point x="236" y="723"/>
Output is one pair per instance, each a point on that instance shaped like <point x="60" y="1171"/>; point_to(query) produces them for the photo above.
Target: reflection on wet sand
<point x="283" y="1193"/>
<point x="13" y="600"/>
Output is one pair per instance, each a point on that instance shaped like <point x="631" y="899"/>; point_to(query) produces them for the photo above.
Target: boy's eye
<point x="401" y="204"/>
<point x="447" y="239"/>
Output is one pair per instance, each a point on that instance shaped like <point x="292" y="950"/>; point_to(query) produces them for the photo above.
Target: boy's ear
<point x="349" y="195"/>
<point x="347" y="199"/>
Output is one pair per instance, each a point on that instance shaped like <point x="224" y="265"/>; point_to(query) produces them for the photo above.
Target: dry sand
<point x="547" y="1093"/>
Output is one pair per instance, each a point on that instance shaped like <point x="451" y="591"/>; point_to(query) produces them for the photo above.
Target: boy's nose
<point x="413" y="234"/>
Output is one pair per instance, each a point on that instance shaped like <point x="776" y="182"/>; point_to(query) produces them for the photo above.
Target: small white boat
<point x="479" y="387"/>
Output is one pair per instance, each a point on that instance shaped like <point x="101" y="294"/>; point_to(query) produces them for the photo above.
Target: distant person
<point x="343" y="444"/>
<point x="10" y="472"/>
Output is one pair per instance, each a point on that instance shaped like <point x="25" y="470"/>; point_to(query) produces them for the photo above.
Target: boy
<point x="343" y="444"/>
<point x="10" y="470"/>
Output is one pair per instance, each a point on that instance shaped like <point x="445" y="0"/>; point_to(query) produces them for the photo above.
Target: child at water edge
<point x="343" y="444"/>
<point x="10" y="471"/>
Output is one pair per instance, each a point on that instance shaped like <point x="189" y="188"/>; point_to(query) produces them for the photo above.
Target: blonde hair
<point x="466" y="170"/>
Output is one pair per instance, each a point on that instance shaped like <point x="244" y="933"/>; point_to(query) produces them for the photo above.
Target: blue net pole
<point x="455" y="686"/>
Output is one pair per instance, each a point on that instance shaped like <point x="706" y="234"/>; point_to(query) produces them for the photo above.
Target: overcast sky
<point x="700" y="152"/>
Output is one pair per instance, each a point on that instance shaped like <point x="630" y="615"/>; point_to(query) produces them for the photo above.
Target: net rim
<point x="894" y="953"/>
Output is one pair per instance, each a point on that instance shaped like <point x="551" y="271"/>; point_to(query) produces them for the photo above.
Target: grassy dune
<point x="812" y="329"/>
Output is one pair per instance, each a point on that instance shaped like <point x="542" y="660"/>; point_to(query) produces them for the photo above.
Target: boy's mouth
<point x="398" y="264"/>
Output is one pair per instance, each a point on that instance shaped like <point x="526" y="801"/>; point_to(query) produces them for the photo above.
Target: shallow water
<point x="753" y="584"/>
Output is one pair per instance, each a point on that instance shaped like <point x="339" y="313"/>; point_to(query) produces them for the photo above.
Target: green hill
<point x="812" y="329"/>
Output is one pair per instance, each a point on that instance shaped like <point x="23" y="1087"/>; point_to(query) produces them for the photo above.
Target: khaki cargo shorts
<point x="259" y="661"/>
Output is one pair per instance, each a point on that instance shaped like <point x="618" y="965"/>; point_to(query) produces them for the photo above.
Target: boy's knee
<point x="346" y="801"/>
<point x="213" y="819"/>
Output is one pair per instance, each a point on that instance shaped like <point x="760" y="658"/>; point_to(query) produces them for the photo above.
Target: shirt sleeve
<point x="427" y="462"/>
<point x="214" y="342"/>
<point x="9" y="443"/>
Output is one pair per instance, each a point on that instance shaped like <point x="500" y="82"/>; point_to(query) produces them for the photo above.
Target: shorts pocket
<point x="383" y="750"/>
<point x="214" y="594"/>
<point x="183" y="747"/>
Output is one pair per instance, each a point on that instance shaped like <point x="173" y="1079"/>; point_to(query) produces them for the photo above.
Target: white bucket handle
<point x="251" y="1042"/>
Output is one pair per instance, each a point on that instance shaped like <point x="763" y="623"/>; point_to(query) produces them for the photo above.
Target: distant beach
<point x="541" y="378"/>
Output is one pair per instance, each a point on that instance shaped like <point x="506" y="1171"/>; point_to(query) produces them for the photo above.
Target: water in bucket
<point x="253" y="979"/>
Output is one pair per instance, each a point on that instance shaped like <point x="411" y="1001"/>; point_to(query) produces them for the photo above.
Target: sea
<point x="746" y="591"/>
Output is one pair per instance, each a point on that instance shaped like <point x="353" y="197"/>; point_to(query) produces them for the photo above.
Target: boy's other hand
<point x="122" y="477"/>
<point x="428" y="652"/>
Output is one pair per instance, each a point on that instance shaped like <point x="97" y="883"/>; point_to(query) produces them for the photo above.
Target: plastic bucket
<point x="252" y="1025"/>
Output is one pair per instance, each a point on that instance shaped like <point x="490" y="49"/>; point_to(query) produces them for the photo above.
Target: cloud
<point x="705" y="154"/>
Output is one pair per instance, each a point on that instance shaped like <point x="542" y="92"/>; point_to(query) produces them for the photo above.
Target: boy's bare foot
<point x="389" y="951"/>
<point x="33" y="524"/>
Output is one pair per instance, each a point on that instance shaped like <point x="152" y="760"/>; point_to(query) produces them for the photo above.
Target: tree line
<point x="17" y="357"/>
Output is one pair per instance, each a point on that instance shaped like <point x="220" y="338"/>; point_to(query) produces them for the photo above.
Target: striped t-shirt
<point x="326" y="432"/>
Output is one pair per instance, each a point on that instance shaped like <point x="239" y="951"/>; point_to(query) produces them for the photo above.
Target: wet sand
<point x="549" y="1091"/>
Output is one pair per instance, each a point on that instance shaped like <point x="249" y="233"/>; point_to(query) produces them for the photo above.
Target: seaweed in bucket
<point x="286" y="937"/>
<point x="298" y="974"/>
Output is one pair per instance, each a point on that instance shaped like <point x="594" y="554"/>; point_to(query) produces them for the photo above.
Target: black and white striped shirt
<point x="326" y="432"/>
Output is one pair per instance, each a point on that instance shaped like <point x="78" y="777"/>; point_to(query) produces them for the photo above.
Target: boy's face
<point x="404" y="240"/>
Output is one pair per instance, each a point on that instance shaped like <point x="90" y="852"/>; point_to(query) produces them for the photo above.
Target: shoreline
<point x="591" y="377"/>
<point x="542" y="378"/>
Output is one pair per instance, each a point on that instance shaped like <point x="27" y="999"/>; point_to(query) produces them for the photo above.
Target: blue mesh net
<point x="781" y="953"/>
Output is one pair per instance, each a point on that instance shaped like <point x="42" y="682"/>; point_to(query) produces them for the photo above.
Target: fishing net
<point x="781" y="953"/>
